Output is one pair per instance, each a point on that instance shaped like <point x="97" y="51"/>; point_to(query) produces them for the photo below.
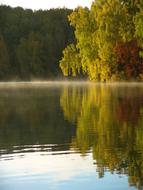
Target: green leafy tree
<point x="29" y="56"/>
<point x="70" y="64"/>
<point x="99" y="33"/>
<point x="4" y="59"/>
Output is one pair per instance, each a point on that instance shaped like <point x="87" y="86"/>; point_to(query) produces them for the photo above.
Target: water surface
<point x="71" y="136"/>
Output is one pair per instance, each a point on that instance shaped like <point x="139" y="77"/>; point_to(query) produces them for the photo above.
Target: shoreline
<point x="66" y="82"/>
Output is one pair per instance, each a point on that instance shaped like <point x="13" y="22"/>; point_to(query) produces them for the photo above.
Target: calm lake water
<point x="71" y="136"/>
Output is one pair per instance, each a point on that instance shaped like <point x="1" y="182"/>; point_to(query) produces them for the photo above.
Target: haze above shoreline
<point x="65" y="82"/>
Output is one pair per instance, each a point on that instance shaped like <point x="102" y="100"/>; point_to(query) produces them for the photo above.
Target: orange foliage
<point x="128" y="111"/>
<point x="128" y="59"/>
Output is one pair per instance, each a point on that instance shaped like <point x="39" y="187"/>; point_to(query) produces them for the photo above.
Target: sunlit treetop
<point x="101" y="30"/>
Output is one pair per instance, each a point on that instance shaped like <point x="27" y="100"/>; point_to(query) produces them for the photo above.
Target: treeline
<point x="109" y="41"/>
<point x="31" y="42"/>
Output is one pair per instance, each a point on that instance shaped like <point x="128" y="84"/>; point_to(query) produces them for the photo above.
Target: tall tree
<point x="29" y="56"/>
<point x="4" y="59"/>
<point x="104" y="33"/>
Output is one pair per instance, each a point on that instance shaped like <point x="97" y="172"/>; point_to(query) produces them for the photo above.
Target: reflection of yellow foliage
<point x="70" y="102"/>
<point x="102" y="114"/>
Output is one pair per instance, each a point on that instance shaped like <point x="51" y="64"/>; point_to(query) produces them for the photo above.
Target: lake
<point x="71" y="136"/>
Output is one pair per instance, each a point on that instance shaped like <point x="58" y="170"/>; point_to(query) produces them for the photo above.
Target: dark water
<point x="74" y="136"/>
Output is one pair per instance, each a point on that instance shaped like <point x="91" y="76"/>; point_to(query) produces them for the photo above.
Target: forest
<point x="109" y="41"/>
<point x="31" y="42"/>
<point x="100" y="43"/>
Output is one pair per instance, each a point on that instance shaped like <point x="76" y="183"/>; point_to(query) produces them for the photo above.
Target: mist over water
<point x="49" y="83"/>
<point x="71" y="135"/>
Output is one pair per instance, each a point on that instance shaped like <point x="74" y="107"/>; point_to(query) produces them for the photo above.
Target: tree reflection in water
<point x="110" y="123"/>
